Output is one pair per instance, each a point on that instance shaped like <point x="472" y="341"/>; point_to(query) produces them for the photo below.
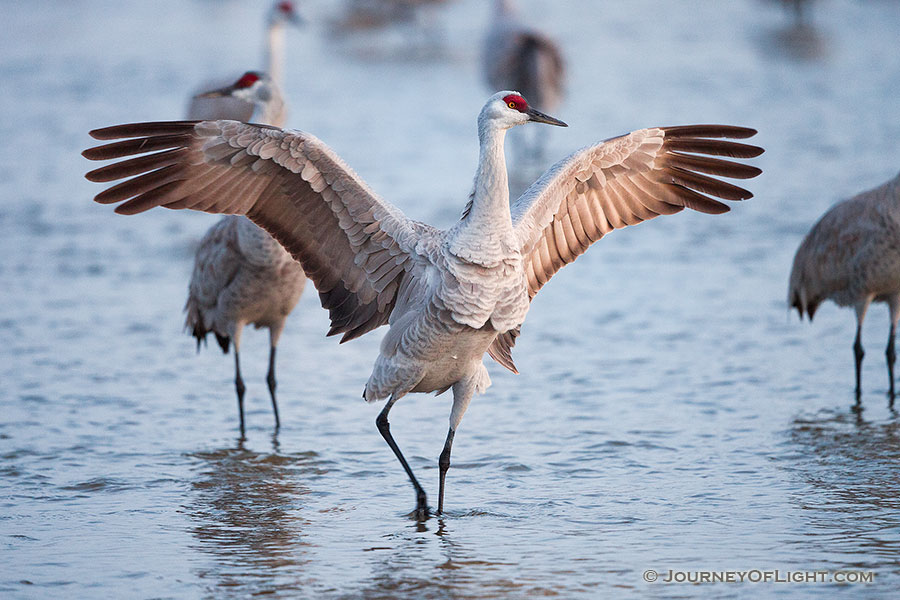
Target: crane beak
<point x="220" y="93"/>
<point x="539" y="117"/>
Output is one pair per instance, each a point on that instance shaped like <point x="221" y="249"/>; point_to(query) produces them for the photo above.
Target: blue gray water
<point x="670" y="414"/>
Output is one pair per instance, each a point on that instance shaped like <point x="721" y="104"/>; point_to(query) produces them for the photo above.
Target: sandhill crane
<point x="241" y="274"/>
<point x="522" y="58"/>
<point x="448" y="296"/>
<point x="852" y="257"/>
<point x="373" y="14"/>
<point x="202" y="106"/>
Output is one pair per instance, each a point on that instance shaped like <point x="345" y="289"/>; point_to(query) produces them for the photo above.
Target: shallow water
<point x="669" y="414"/>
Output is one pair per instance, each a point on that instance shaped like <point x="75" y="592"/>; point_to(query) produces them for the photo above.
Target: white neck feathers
<point x="491" y="199"/>
<point x="484" y="236"/>
<point x="275" y="53"/>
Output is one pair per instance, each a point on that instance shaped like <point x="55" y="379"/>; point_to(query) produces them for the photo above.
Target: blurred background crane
<point x="241" y="275"/>
<point x="851" y="256"/>
<point x="519" y="57"/>
<point x="280" y="15"/>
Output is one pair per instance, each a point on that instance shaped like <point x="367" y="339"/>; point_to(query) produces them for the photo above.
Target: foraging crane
<point x="373" y="14"/>
<point x="521" y="58"/>
<point x="241" y="274"/>
<point x="448" y="296"/>
<point x="205" y="107"/>
<point x="852" y="257"/>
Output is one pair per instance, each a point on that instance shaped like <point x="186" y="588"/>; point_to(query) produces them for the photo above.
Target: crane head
<point x="509" y="109"/>
<point x="284" y="12"/>
<point x="252" y="86"/>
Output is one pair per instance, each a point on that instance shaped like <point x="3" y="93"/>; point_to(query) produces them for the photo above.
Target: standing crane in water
<point x="852" y="257"/>
<point x="448" y="296"/>
<point x="241" y="274"/>
<point x="522" y="58"/>
<point x="373" y="14"/>
<point x="205" y="107"/>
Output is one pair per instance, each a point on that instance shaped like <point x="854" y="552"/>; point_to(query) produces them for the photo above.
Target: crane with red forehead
<point x="203" y="106"/>
<point x="241" y="275"/>
<point x="448" y="296"/>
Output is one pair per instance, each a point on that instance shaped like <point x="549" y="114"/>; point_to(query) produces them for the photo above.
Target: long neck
<point x="272" y="112"/>
<point x="482" y="236"/>
<point x="504" y="8"/>
<point x="275" y="53"/>
<point x="491" y="200"/>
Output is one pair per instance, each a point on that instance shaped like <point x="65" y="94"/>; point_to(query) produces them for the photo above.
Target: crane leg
<point x="444" y="464"/>
<point x="894" y="307"/>
<point x="861" y="307"/>
<point x="421" y="512"/>
<point x="462" y="395"/>
<point x="270" y="379"/>
<point x="891" y="359"/>
<point x="858" y="353"/>
<point x="239" y="387"/>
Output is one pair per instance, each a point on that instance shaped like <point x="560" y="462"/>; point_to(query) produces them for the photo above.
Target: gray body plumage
<point x="852" y="253"/>
<point x="852" y="257"/>
<point x="448" y="296"/>
<point x="241" y="277"/>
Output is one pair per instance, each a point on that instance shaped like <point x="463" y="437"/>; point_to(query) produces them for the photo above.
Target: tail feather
<point x="799" y="299"/>
<point x="200" y="335"/>
<point x="193" y="323"/>
<point x="224" y="342"/>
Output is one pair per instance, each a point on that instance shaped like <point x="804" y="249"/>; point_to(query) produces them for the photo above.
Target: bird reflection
<point x="849" y="468"/>
<point x="246" y="512"/>
<point x="454" y="568"/>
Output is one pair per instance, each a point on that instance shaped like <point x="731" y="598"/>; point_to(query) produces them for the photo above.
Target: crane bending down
<point x="448" y="296"/>
<point x="241" y="274"/>
<point x="205" y="107"/>
<point x="522" y="58"/>
<point x="852" y="257"/>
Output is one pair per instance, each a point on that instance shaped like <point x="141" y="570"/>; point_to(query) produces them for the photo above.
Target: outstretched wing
<point x="620" y="182"/>
<point x="356" y="248"/>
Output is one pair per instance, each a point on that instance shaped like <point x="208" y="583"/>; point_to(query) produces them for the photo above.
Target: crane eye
<point x="511" y="104"/>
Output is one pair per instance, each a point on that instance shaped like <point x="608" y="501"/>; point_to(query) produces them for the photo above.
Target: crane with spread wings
<point x="448" y="296"/>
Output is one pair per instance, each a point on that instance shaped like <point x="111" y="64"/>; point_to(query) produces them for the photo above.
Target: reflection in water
<point x="246" y="514"/>
<point x="412" y="565"/>
<point x="850" y="467"/>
